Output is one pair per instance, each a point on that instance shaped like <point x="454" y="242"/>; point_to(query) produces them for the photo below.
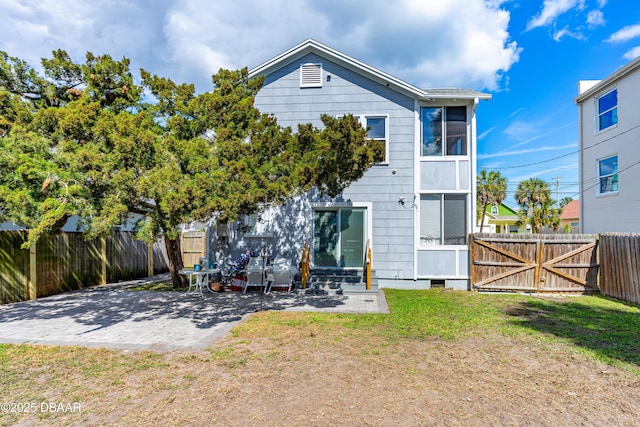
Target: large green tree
<point x="536" y="205"/>
<point x="491" y="190"/>
<point x="81" y="140"/>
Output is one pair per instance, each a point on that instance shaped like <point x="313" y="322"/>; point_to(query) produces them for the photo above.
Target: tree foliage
<point x="81" y="140"/>
<point x="536" y="205"/>
<point x="491" y="190"/>
<point x="565" y="201"/>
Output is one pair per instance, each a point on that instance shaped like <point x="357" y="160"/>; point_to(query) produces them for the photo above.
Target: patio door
<point x="339" y="237"/>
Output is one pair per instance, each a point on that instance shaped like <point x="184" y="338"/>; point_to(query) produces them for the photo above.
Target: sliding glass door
<point x="339" y="237"/>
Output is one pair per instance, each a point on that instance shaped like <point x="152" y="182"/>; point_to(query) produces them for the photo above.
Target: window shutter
<point x="311" y="75"/>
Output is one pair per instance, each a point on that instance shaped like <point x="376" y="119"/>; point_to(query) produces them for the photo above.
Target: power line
<point x="597" y="180"/>
<point x="568" y="154"/>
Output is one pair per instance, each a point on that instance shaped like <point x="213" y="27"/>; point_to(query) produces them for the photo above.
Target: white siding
<point x="615" y="212"/>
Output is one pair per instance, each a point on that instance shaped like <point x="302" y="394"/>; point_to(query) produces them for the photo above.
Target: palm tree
<point x="534" y="198"/>
<point x="565" y="201"/>
<point x="492" y="190"/>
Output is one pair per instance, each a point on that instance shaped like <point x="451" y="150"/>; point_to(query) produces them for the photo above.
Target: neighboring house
<point x="501" y="219"/>
<point x="415" y="209"/>
<point x="570" y="216"/>
<point x="609" y="131"/>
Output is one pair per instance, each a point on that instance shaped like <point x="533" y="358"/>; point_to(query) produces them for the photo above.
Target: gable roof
<point x="571" y="210"/>
<point x="312" y="46"/>
<point x="503" y="211"/>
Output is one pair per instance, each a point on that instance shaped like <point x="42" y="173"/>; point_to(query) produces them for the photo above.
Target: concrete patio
<point x="111" y="316"/>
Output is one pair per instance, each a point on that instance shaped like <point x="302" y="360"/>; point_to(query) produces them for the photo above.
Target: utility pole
<point x="557" y="180"/>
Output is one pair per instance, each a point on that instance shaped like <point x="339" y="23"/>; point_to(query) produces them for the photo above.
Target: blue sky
<point x="529" y="54"/>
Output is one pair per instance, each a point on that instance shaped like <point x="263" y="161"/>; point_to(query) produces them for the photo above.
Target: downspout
<point x="473" y="183"/>
<point x="474" y="165"/>
<point x="416" y="187"/>
<point x="580" y="170"/>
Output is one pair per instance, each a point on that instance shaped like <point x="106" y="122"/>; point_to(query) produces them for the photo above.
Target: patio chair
<point x="280" y="274"/>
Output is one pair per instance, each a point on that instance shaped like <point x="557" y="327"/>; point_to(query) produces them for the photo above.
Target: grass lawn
<point x="591" y="328"/>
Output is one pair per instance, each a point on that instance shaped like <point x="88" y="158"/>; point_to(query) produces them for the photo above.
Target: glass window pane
<point x="377" y="128"/>
<point x="352" y="232"/>
<point x="609" y="166"/>
<point x="608" y="172"/>
<point x="456" y="131"/>
<point x="325" y="238"/>
<point x="455" y="224"/>
<point x="430" y="219"/>
<point x="609" y="118"/>
<point x="608" y="110"/>
<point x="609" y="184"/>
<point x="608" y="101"/>
<point x="431" y="119"/>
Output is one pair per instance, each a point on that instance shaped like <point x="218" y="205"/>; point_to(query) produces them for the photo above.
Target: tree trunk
<point x="484" y="211"/>
<point x="175" y="262"/>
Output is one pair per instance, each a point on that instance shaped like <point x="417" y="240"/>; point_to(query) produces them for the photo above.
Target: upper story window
<point x="608" y="175"/>
<point x="311" y="75"/>
<point x="608" y="110"/>
<point x="448" y="124"/>
<point x="377" y="128"/>
<point x="494" y="210"/>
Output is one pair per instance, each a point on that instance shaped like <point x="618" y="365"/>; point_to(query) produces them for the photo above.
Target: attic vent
<point x="311" y="75"/>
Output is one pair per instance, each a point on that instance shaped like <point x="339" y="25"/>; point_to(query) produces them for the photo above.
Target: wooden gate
<point x="534" y="262"/>
<point x="194" y="246"/>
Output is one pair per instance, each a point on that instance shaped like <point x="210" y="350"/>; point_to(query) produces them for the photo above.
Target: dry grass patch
<point x="431" y="362"/>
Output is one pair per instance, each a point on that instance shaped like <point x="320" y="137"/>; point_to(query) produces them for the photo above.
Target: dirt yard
<point x="301" y="376"/>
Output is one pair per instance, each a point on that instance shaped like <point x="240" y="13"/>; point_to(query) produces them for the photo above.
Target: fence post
<point x="103" y="260"/>
<point x="150" y="259"/>
<point x="306" y="256"/>
<point x="33" y="273"/>
<point x="369" y="260"/>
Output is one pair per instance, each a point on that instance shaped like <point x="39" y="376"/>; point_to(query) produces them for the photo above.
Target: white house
<point x="609" y="138"/>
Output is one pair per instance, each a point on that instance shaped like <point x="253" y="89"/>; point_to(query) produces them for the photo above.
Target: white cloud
<point x="33" y="29"/>
<point x="515" y="113"/>
<point x="632" y="54"/>
<point x="566" y="32"/>
<point x="625" y="34"/>
<point x="448" y="43"/>
<point x="551" y="10"/>
<point x="486" y="133"/>
<point x="595" y="18"/>
<point x="517" y="179"/>
<point x="528" y="132"/>
<point x="511" y="153"/>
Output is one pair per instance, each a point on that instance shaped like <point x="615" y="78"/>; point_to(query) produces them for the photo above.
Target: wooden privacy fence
<point x="66" y="261"/>
<point x="620" y="266"/>
<point x="194" y="246"/>
<point x="534" y="262"/>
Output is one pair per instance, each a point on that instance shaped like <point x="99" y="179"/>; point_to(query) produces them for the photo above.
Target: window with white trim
<point x="608" y="110"/>
<point x="311" y="75"/>
<point x="448" y="124"/>
<point x="377" y="129"/>
<point x="608" y="175"/>
<point x="443" y="219"/>
<point x="258" y="224"/>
